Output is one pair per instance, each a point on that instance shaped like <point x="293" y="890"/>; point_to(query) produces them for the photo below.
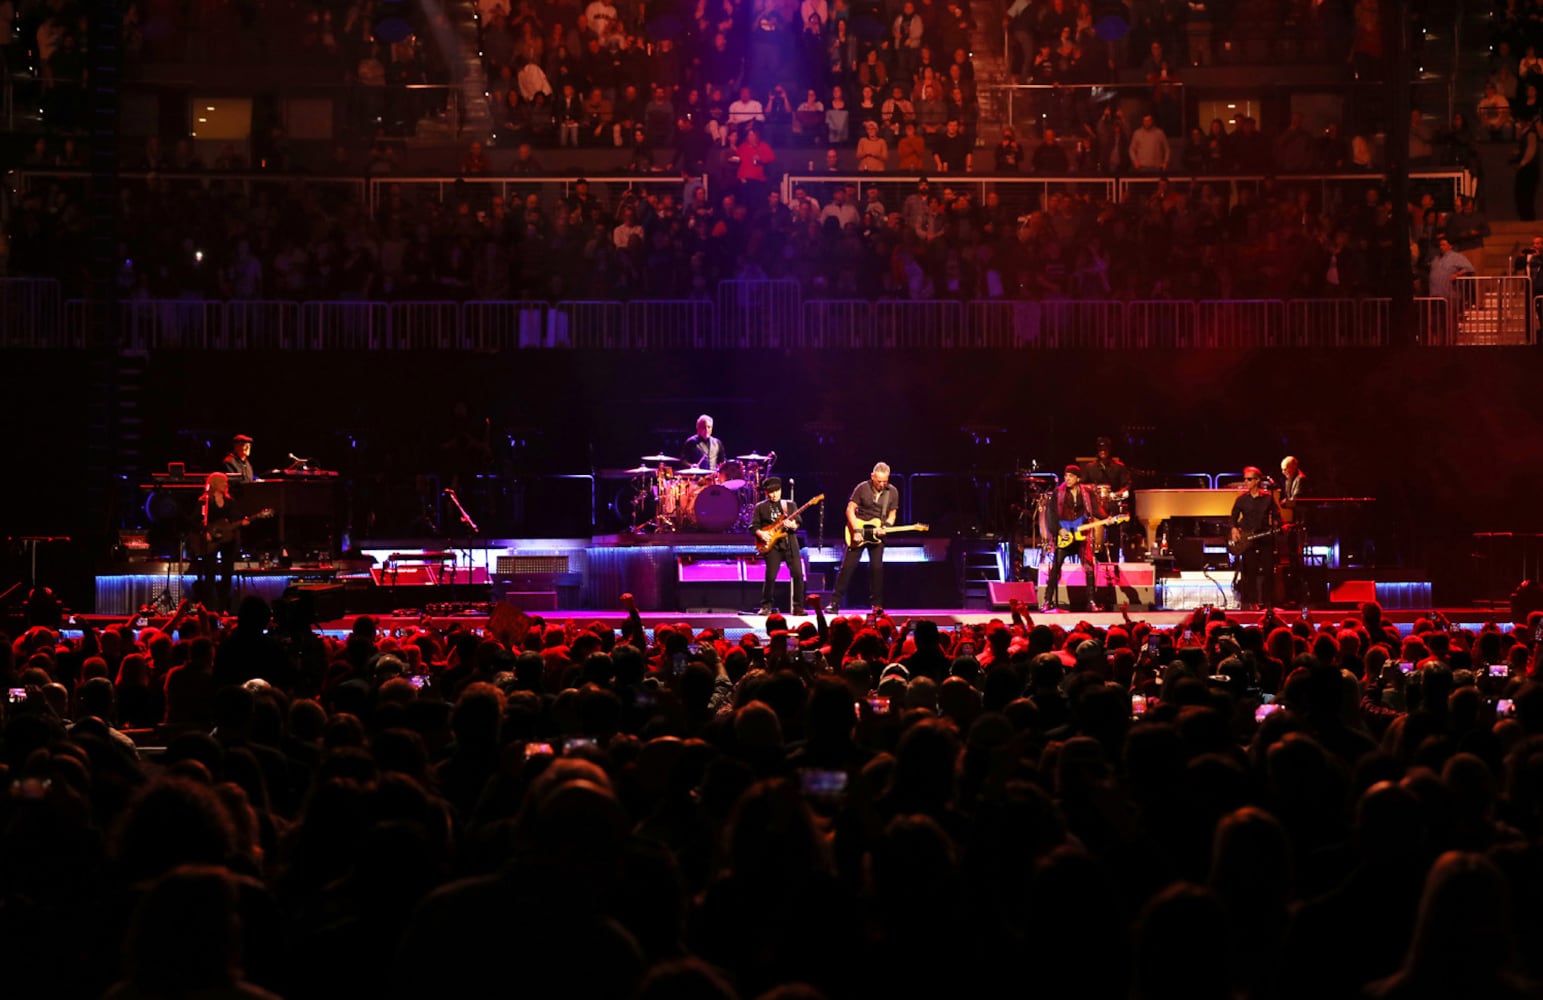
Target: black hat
<point x="1072" y="470"/>
<point x="771" y="483"/>
<point x="240" y="439"/>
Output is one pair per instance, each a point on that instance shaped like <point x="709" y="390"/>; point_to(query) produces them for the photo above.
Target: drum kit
<point x="669" y="497"/>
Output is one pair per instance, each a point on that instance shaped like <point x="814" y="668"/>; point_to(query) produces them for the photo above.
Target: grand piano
<point x="1153" y="507"/>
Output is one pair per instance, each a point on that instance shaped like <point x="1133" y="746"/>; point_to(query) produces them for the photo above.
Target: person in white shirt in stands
<point x="1148" y="147"/>
<point x="841" y="210"/>
<point x="600" y="16"/>
<point x="1494" y="111"/>
<point x="627" y="230"/>
<point x="745" y="110"/>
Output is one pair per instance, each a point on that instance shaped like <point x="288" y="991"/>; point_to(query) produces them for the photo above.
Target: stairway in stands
<point x="991" y="66"/>
<point x="466" y="70"/>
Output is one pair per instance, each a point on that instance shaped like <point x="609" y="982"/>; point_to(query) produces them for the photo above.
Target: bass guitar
<point x="1241" y="545"/>
<point x="867" y="532"/>
<point x="1080" y="528"/>
<point x="221" y="532"/>
<point x="778" y="529"/>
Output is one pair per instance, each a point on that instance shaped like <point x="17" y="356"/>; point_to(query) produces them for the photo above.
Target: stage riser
<point x="125" y="593"/>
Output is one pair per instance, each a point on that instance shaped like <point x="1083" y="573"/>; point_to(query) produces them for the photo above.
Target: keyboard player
<point x="1293" y="488"/>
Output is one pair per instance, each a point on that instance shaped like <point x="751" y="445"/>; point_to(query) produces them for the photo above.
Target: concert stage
<point x="709" y="580"/>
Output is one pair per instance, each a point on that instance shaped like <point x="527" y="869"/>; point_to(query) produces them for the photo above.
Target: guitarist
<point x="877" y="500"/>
<point x="784" y="550"/>
<point x="216" y="542"/>
<point x="1254" y="512"/>
<point x="1074" y="502"/>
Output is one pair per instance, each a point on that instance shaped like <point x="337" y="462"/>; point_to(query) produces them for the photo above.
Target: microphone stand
<point x="792" y="587"/>
<point x="471" y="527"/>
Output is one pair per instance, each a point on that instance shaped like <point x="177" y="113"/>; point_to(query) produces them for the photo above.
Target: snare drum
<point x="713" y="508"/>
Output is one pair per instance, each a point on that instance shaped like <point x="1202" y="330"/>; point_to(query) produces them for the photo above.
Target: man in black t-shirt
<point x="1254" y="515"/>
<point x="874" y="500"/>
<point x="951" y="152"/>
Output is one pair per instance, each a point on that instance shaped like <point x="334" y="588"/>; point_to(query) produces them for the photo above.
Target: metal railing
<point x="1491" y="311"/>
<point x="1333" y="189"/>
<point x="27" y="180"/>
<point x="769" y="315"/>
<point x="482" y="190"/>
<point x="1017" y="193"/>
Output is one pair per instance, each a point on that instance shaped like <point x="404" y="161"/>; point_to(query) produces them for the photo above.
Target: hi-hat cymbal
<point x="660" y="458"/>
<point x="642" y="470"/>
<point x="753" y="457"/>
<point x="693" y="471"/>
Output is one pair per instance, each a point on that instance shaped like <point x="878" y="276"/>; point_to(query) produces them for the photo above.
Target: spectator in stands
<point x="755" y="155"/>
<point x="897" y="112"/>
<point x="1530" y="107"/>
<point x="1446" y="266"/>
<point x="1525" y="183"/>
<point x="598" y="114"/>
<point x="1494" y="111"/>
<point x="569" y="115"/>
<point x="745" y="110"/>
<point x="912" y="150"/>
<point x="475" y="163"/>
<point x="809" y="118"/>
<point x="1467" y="226"/>
<point x="872" y="150"/>
<point x="1294" y="147"/>
<point x="951" y="152"/>
<point x="838" y="117"/>
<point x="1050" y="157"/>
<point x="1009" y="152"/>
<point x="907" y="36"/>
<point x="1149" y="147"/>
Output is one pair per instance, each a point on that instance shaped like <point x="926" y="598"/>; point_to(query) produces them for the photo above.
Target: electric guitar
<point x="219" y="533"/>
<point x="867" y="532"/>
<point x="1080" y="528"/>
<point x="778" y="529"/>
<point x="1245" y="543"/>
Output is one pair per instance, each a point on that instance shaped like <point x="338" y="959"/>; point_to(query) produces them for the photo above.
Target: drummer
<point x="702" y="450"/>
<point x="1110" y="479"/>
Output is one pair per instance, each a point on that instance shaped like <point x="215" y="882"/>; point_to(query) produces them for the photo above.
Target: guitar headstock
<point x="923" y="527"/>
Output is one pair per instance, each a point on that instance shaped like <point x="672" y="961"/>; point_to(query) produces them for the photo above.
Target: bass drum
<point x="714" y="508"/>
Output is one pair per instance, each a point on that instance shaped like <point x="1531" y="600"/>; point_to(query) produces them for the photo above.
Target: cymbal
<point x="753" y="457"/>
<point x="642" y="470"/>
<point x="693" y="471"/>
<point x="660" y="458"/>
